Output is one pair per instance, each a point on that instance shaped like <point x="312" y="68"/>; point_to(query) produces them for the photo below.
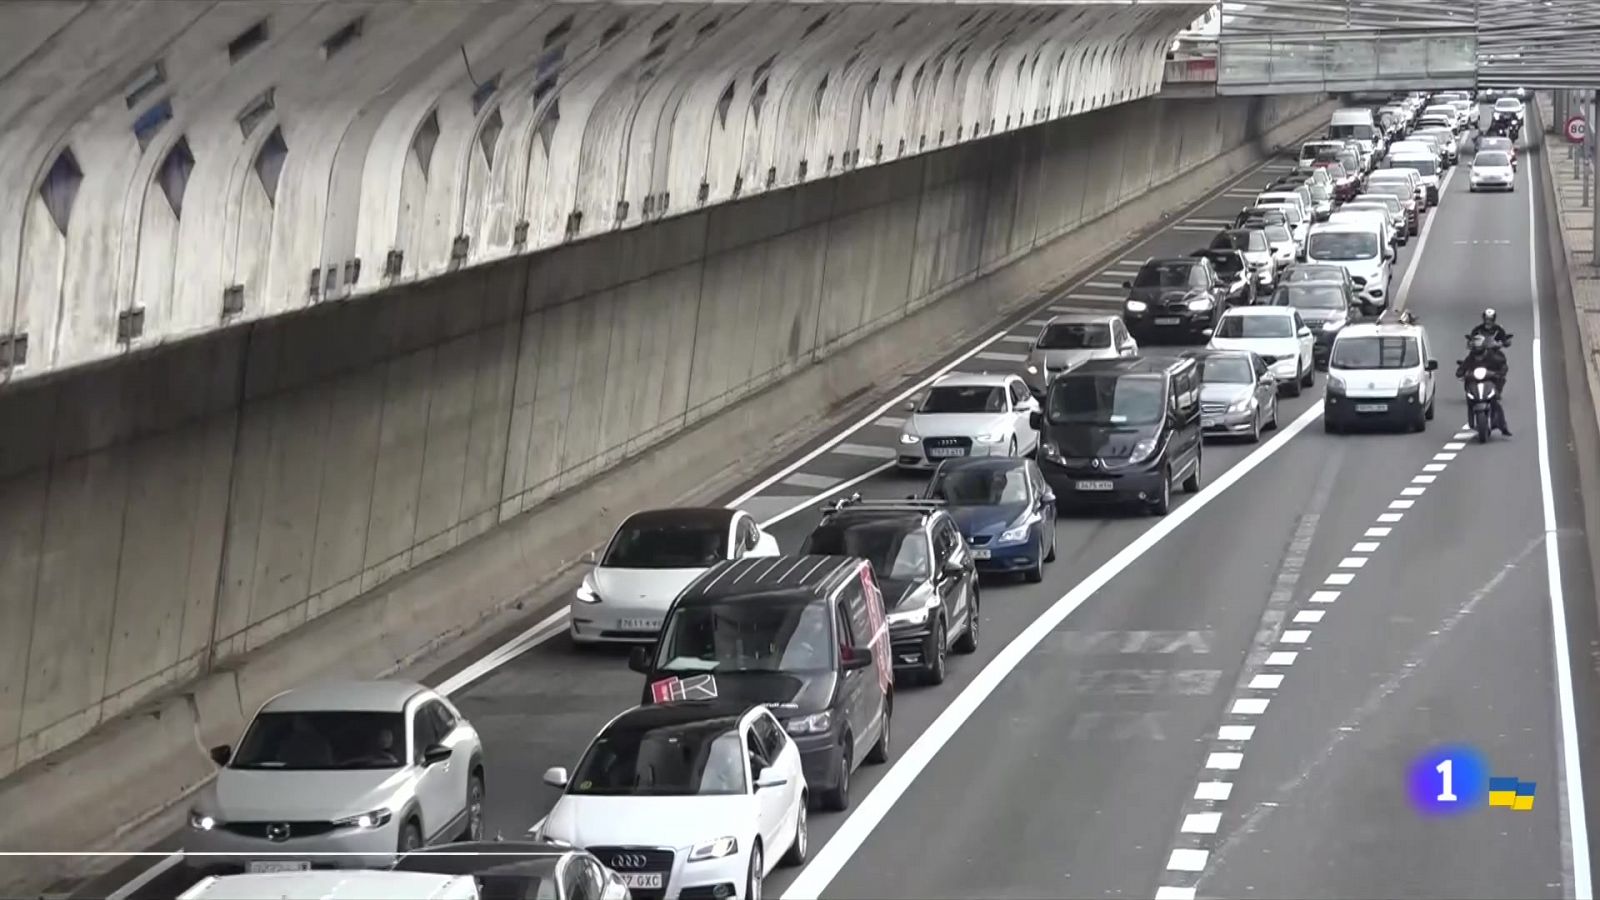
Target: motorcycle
<point x="1482" y="394"/>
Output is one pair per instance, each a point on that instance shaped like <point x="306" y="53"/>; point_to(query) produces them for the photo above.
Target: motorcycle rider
<point x="1488" y="355"/>
<point x="1489" y="328"/>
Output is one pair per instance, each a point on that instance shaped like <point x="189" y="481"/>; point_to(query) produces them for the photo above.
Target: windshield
<point x="1389" y="202"/>
<point x="1255" y="327"/>
<point x="1346" y="132"/>
<point x="667" y="545"/>
<point x="896" y="551"/>
<point x="1310" y="296"/>
<point x="1106" y="400"/>
<point x="1316" y="273"/>
<point x="976" y="398"/>
<point x="693" y="759"/>
<point x="980" y="487"/>
<point x="1492" y="158"/>
<point x="1507" y="104"/>
<point x="334" y="739"/>
<point x="1247" y="241"/>
<point x="1278" y="234"/>
<point x="1283" y="206"/>
<point x="1376" y="353"/>
<point x="1495" y="143"/>
<point x="1310" y="151"/>
<point x="1168" y="275"/>
<point x="1226" y="370"/>
<point x="1422" y="166"/>
<point x="1342" y="245"/>
<point x="769" y="634"/>
<point x="1076" y="336"/>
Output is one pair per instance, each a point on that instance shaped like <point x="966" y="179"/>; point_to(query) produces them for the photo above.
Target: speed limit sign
<point x="1577" y="129"/>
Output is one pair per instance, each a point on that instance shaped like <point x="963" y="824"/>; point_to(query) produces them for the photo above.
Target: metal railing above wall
<point x="1342" y="60"/>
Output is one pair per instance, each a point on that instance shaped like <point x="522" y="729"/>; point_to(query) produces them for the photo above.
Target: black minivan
<point x="1122" y="431"/>
<point x="805" y="635"/>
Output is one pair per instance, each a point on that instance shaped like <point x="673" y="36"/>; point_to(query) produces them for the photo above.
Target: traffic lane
<point x="1104" y="723"/>
<point x="1442" y="637"/>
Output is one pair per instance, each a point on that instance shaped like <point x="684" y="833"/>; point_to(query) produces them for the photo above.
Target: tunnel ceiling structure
<point x="167" y="169"/>
<point x="1290" y="46"/>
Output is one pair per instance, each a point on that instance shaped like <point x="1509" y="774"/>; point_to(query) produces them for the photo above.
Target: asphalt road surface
<point x="1194" y="708"/>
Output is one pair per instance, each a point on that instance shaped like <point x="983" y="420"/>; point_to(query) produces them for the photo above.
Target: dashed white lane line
<point x="1433" y="467"/>
<point x="1455" y="445"/>
<point x="1378" y="531"/>
<point x="1018" y="339"/>
<point x="1266" y="682"/>
<point x="1324" y="596"/>
<point x="1390" y="517"/>
<point x="863" y="450"/>
<point x="807" y="480"/>
<point x="1250" y="706"/>
<point x="1364" y="547"/>
<point x="1402" y="504"/>
<point x="1340" y="579"/>
<point x="1296" y="636"/>
<point x="1236" y="732"/>
<point x="1174" y="893"/>
<point x="1413" y="491"/>
<point x="1309" y="616"/>
<point x="1201" y="823"/>
<point x="1424" y="479"/>
<point x="889" y="421"/>
<point x="1213" y="790"/>
<point x="1352" y="562"/>
<point x="1282" y="658"/>
<point x="1443" y="457"/>
<point x="1225" y="761"/>
<point x="1185" y="859"/>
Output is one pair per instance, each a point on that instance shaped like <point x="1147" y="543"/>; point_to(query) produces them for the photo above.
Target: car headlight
<point x="587" y="593"/>
<point x="717" y="849"/>
<point x="1050" y="451"/>
<point x="991" y="437"/>
<point x="816" y="723"/>
<point x="1409" y="381"/>
<point x="1143" y="450"/>
<point x="1201" y="304"/>
<point x="913" y="616"/>
<point x="1242" y="404"/>
<point x="375" y="819"/>
<point x="199" y="821"/>
<point x="1335" y="384"/>
<point x="1015" y="535"/>
<point x="1480" y="373"/>
<point x="1033" y="369"/>
<point x="909" y="438"/>
<point x="1137" y="306"/>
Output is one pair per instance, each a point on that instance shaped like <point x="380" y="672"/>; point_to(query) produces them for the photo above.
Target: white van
<point x="1378" y="217"/>
<point x="1358" y="247"/>
<point x="1353" y="122"/>
<point x="1380" y="373"/>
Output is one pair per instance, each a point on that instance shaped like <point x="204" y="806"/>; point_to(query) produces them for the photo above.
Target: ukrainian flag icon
<point x="1511" y="793"/>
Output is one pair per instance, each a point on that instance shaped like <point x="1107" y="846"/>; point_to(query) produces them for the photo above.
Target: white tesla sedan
<point x="653" y="556"/>
<point x="968" y="415"/>
<point x="1277" y="335"/>
<point x="702" y="796"/>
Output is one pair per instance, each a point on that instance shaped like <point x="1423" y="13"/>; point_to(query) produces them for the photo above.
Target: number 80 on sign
<point x="1448" y="780"/>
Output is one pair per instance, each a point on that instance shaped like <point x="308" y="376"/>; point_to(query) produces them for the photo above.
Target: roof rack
<point x="1397" y="317"/>
<point x="856" y="501"/>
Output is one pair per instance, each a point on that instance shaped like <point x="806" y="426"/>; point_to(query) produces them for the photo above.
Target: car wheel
<point x="1255" y="428"/>
<point x="879" y="754"/>
<point x="474" y="829"/>
<point x="933" y="668"/>
<point x="1163" y="502"/>
<point x="838" y="799"/>
<point x="1420" y="422"/>
<point x="802" y="838"/>
<point x="1035" y="573"/>
<point x="410" y="837"/>
<point x="1192" y="483"/>
<point x="1050" y="555"/>
<point x="1292" y="388"/>
<point x="752" y="882"/>
<point x="968" y="642"/>
<point x="1429" y="411"/>
<point x="1309" y="377"/>
<point x="1272" y="423"/>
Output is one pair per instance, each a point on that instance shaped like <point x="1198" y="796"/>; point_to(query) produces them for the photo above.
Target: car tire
<point x="1309" y="378"/>
<point x="1420" y="422"/>
<point x="968" y="642"/>
<point x="933" y="669"/>
<point x="796" y="856"/>
<point x="752" y="880"/>
<point x="1272" y="424"/>
<point x="1035" y="573"/>
<point x="879" y="753"/>
<point x="1050" y="554"/>
<point x="474" y="827"/>
<point x="410" y="838"/>
<point x="1255" y="429"/>
<point x="1163" y="502"/>
<point x="1192" y="483"/>
<point x="837" y="799"/>
<point x="1292" y="388"/>
<point x="1013" y="451"/>
<point x="1429" y="411"/>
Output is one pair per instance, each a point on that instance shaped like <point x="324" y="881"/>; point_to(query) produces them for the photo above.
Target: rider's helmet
<point x="1479" y="342"/>
<point x="1488" y="317"/>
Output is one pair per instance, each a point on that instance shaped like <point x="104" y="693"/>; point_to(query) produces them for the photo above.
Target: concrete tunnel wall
<point x="170" y="168"/>
<point x="161" y="517"/>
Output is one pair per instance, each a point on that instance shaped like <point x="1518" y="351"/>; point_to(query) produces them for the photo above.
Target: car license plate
<point x="1372" y="407"/>
<point x="1093" y="485"/>
<point x="945" y="452"/>
<point x="268" y="866"/>
<point x="639" y="624"/>
<point x="649" y="881"/>
<point x="1168" y="320"/>
<point x="980" y="553"/>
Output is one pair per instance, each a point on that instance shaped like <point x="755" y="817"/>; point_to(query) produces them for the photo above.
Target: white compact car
<point x="1276" y="334"/>
<point x="1072" y="339"/>
<point x="1492" y="170"/>
<point x="370" y="769"/>
<point x="968" y="415"/>
<point x="703" y="795"/>
<point x="653" y="556"/>
<point x="1380" y="373"/>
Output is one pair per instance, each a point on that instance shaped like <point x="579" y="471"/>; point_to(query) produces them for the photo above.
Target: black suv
<point x="1122" y="430"/>
<point x="1174" y="297"/>
<point x="928" y="577"/>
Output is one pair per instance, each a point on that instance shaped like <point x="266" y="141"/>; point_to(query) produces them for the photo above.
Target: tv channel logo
<point x="1448" y="780"/>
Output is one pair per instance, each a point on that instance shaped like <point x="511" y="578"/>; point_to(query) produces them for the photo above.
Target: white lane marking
<point x="1020" y="338"/>
<point x="1309" y="616"/>
<point x="1424" y="479"/>
<point x="1249" y="706"/>
<point x="1379" y="531"/>
<point x="1166" y="892"/>
<point x="1210" y="220"/>
<point x="1186" y="860"/>
<point x="1296" y="637"/>
<point x="1444" y="457"/>
<point x="1324" y="596"/>
<point x="1422" y="243"/>
<point x="1236" y="732"/>
<point x="547" y="628"/>
<point x="1134" y="261"/>
<point x="1003" y="357"/>
<point x="1390" y="517"/>
<point x="847" y="431"/>
<point x="1213" y="790"/>
<point x="867" y="451"/>
<point x="1402" y="504"/>
<point x="1266" y="682"/>
<point x="1576" y="817"/>
<point x="1340" y="578"/>
<point x="1113" y="285"/>
<point x="1201" y="823"/>
<point x="1364" y="547"/>
<point x="815" y="482"/>
<point x="145" y="877"/>
<point x="1413" y="491"/>
<point x="811" y="502"/>
<point x="1464" y="434"/>
<point x="1455" y="445"/>
<point x="1225" y="761"/>
<point x="1101" y="297"/>
<point x="1037" y="323"/>
<point x="1434" y="467"/>
<point x="1352" y="562"/>
<point x="889" y="421"/>
<point x="1207" y="229"/>
<point x="1282" y="658"/>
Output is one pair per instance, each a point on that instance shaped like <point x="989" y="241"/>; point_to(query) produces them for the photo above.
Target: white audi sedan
<point x="701" y="796"/>
<point x="653" y="556"/>
<point x="968" y="415"/>
<point x="1277" y="335"/>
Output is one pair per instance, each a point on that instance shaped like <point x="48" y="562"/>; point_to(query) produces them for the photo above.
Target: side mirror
<point x="639" y="660"/>
<point x="435" y="754"/>
<point x="221" y="754"/>
<point x="1304" y="331"/>
<point x="1127" y="285"/>
<point x="853" y="658"/>
<point x="591" y="558"/>
<point x="1036" y="421"/>
<point x="1433" y="364"/>
<point x="556" y="777"/>
<point x="911" y="406"/>
<point x="770" y="779"/>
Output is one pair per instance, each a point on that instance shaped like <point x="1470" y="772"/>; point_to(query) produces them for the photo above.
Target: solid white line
<point x="811" y="502"/>
<point x="1364" y="547"/>
<point x="547" y="628"/>
<point x="1390" y="517"/>
<point x="1340" y="578"/>
<point x="1379" y="531"/>
<point x="1185" y="860"/>
<point x="1166" y="892"/>
<point x="1296" y="637"/>
<point x="1324" y="596"/>
<point x="1265" y="682"/>
<point x="1570" y="758"/>
<point x="145" y="877"/>
<point x="1352" y="562"/>
<point x="1201" y="823"/>
<point x="1249" y="706"/>
<point x="1236" y="732"/>
<point x="1309" y="616"/>
<point x="1213" y="790"/>
<point x="1282" y="658"/>
<point x="1434" y="467"/>
<point x="861" y="423"/>
<point x="1413" y="491"/>
<point x="1422" y="242"/>
<point x="1402" y="504"/>
<point x="889" y="421"/>
<point x="875" y="806"/>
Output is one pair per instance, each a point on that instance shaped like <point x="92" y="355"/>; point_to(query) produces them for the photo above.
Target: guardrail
<point x="1341" y="61"/>
<point x="1196" y="69"/>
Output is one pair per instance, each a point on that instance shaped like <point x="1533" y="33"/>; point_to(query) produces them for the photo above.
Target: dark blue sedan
<point x="1004" y="509"/>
